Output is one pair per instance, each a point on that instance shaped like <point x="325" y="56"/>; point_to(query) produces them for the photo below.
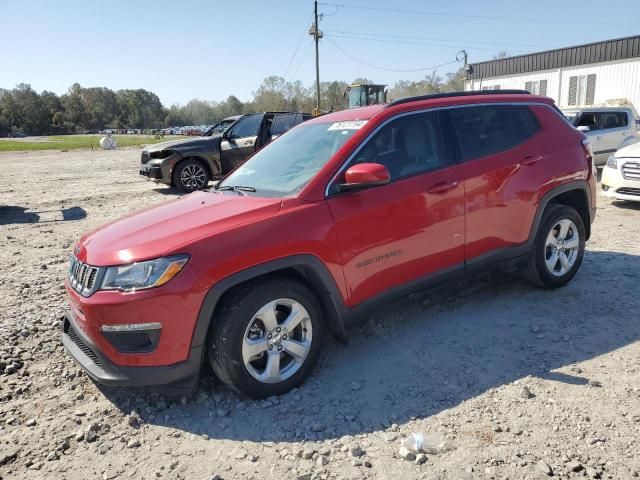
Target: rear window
<point x="489" y="129"/>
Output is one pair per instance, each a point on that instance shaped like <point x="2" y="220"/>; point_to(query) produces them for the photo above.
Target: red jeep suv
<point x="337" y="215"/>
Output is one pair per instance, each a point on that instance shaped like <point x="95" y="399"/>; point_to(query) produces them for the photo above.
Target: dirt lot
<point x="502" y="379"/>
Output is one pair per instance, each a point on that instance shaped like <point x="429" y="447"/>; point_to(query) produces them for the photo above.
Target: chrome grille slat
<point x="84" y="278"/>
<point x="631" y="170"/>
<point x="629" y="191"/>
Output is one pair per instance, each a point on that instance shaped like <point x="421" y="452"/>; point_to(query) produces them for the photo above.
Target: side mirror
<point x="364" y="175"/>
<point x="583" y="128"/>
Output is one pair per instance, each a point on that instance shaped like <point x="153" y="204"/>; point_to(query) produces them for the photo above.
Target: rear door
<point x="411" y="228"/>
<point x="282" y="122"/>
<point x="613" y="128"/>
<point x="504" y="167"/>
<point x="239" y="141"/>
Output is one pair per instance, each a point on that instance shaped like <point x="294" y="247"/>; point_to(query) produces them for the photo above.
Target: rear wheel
<point x="266" y="337"/>
<point x="190" y="175"/>
<point x="558" y="247"/>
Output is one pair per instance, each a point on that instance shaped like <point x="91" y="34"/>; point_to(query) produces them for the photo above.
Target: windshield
<point x="219" y="127"/>
<point x="571" y="116"/>
<point x="356" y="99"/>
<point x="287" y="164"/>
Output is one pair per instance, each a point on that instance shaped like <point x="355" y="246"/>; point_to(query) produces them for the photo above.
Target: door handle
<point x="531" y="160"/>
<point x="443" y="187"/>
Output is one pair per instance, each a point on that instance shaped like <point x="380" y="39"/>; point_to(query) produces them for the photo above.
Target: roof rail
<point x="467" y="93"/>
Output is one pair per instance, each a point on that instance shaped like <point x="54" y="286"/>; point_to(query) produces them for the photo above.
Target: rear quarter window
<point x="489" y="129"/>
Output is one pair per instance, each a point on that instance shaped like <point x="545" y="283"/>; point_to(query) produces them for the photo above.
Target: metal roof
<point x="616" y="49"/>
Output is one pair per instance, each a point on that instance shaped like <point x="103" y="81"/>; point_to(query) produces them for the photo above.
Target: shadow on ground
<point x="423" y="354"/>
<point x="169" y="191"/>
<point x="10" y="215"/>
<point x="626" y="205"/>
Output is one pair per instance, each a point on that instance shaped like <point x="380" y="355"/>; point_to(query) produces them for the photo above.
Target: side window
<point x="487" y="130"/>
<point x="282" y="123"/>
<point x="408" y="146"/>
<point x="246" y="127"/>
<point x="612" y="120"/>
<point x="587" y="119"/>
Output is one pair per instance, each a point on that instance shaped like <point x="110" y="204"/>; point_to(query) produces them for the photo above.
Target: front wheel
<point x="266" y="337"/>
<point x="558" y="248"/>
<point x="190" y="175"/>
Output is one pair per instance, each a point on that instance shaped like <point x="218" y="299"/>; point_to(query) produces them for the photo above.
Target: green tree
<point x="75" y="112"/>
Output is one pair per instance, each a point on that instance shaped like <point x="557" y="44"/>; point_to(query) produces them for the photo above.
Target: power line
<point x="304" y="33"/>
<point x="412" y="37"/>
<point x="404" y="42"/>
<point x="386" y="69"/>
<point x="304" y="56"/>
<point x="476" y="17"/>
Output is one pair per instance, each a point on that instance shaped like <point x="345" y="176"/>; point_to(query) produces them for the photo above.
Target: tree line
<point x="96" y="108"/>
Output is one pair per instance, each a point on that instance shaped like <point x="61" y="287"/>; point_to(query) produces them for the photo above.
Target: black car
<point x="16" y="135"/>
<point x="190" y="164"/>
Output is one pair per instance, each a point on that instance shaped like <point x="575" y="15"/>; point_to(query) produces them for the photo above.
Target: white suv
<point x="607" y="128"/>
<point x="621" y="175"/>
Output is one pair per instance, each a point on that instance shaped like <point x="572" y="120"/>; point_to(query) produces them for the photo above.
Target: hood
<point x="183" y="143"/>
<point x="159" y="230"/>
<point x="630" y="151"/>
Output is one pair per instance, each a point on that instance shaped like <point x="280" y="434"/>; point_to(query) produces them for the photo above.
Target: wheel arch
<point x="305" y="268"/>
<point x="574" y="194"/>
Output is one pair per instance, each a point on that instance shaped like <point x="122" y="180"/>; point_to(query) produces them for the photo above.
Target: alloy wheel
<point x="277" y="341"/>
<point x="562" y="247"/>
<point x="193" y="176"/>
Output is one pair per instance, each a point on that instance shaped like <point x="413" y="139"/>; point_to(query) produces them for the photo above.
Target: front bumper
<point x="159" y="169"/>
<point x="615" y="186"/>
<point x="153" y="172"/>
<point x="182" y="375"/>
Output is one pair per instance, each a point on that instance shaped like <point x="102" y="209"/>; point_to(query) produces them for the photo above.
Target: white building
<point x="587" y="74"/>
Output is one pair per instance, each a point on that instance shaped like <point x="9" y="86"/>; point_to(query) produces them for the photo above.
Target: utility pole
<point x="317" y="35"/>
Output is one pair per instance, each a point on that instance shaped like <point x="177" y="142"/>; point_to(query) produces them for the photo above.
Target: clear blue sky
<point x="211" y="49"/>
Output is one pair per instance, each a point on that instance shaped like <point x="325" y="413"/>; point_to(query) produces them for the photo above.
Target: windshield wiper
<point x="235" y="188"/>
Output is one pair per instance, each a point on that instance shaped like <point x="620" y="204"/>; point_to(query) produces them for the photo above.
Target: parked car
<point x="130" y="131"/>
<point x="190" y="164"/>
<point x="338" y="215"/>
<point x="91" y="132"/>
<point x="621" y="175"/>
<point x="607" y="128"/>
<point x="16" y="135"/>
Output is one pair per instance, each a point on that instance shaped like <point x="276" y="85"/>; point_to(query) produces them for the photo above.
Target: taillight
<point x="588" y="152"/>
<point x="588" y="156"/>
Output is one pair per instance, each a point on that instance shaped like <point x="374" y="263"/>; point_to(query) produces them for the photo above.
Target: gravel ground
<point x="502" y="380"/>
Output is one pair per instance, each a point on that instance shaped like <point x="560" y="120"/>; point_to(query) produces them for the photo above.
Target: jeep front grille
<point x="84" y="278"/>
<point x="631" y="170"/>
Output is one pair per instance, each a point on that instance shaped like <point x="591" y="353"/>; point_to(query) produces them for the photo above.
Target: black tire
<point x="536" y="270"/>
<point x="185" y="182"/>
<point x="231" y="321"/>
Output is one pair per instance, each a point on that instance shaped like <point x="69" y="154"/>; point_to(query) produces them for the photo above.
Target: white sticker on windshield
<point x="349" y="125"/>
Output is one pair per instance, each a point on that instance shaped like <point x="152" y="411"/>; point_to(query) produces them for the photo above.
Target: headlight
<point x="612" y="162"/>
<point x="143" y="275"/>
<point x="161" y="154"/>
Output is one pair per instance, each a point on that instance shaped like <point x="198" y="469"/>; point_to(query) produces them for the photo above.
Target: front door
<point x="239" y="141"/>
<point x="411" y="228"/>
